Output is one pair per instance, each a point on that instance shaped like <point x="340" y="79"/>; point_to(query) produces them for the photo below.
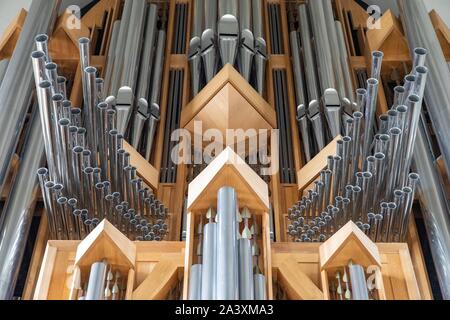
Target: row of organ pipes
<point x="89" y="176"/>
<point x="227" y="254"/>
<point x="368" y="181"/>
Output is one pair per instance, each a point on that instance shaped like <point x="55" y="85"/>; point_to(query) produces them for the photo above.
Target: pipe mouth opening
<point x="78" y="150"/>
<point x="392" y="113"/>
<point x="99" y="186"/>
<point x="45" y="84"/>
<point x="400" y="89"/>
<point x="357" y="189"/>
<point x="349" y="187"/>
<point x="371" y="159"/>
<point x="72" y="201"/>
<point x="49" y="185"/>
<point x="62" y="200"/>
<point x="392" y="205"/>
<point x="414" y="176"/>
<point x="42" y="171"/>
<point x="346" y="139"/>
<point x="64" y="122"/>
<point x="88" y="170"/>
<point x="57" y="97"/>
<point x="421" y="70"/>
<point x="398" y="193"/>
<point x="420" y="51"/>
<point x="383" y="117"/>
<point x="377" y="54"/>
<point x="395" y="131"/>
<point x="41" y="38"/>
<point x="379" y="156"/>
<point x="414" y="98"/>
<point x="372" y="82"/>
<point x="102" y="105"/>
<point x="51" y="66"/>
<point x="402" y="109"/>
<point x="99" y="81"/>
<point x="84" y="40"/>
<point x="384" y="137"/>
<point x="77" y="212"/>
<point x="67" y="104"/>
<point x="37" y="54"/>
<point x="75" y="111"/>
<point x="410" y="78"/>
<point x="358" y="115"/>
<point x="97" y="170"/>
<point x="113" y="133"/>
<point x="86" y="152"/>
<point x="90" y="70"/>
<point x="73" y="129"/>
<point x="361" y="91"/>
<point x="407" y="190"/>
<point x="384" y="205"/>
<point x="61" y="79"/>
<point x="81" y="131"/>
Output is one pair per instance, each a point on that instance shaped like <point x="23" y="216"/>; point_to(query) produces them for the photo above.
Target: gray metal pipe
<point x="420" y="33"/>
<point x="158" y="69"/>
<point x="111" y="55"/>
<point x="96" y="284"/>
<point x="209" y="261"/>
<point x="435" y="209"/>
<point x="13" y="103"/>
<point x="195" y="282"/>
<point x="246" y="281"/>
<point x="18" y="212"/>
<point x="358" y="281"/>
<point x="260" y="287"/>
<point x="227" y="282"/>
<point x="3" y="67"/>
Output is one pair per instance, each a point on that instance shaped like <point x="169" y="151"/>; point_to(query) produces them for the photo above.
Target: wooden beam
<point x="158" y="283"/>
<point x="297" y="284"/>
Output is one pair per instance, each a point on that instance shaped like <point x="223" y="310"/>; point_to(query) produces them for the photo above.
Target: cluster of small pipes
<point x="228" y="254"/>
<point x="89" y="176"/>
<point x="350" y="283"/>
<point x="232" y="32"/>
<point x="368" y="181"/>
<point x="103" y="283"/>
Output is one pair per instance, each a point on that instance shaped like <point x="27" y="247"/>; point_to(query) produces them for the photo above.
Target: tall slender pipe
<point x="227" y="282"/>
<point x="18" y="212"/>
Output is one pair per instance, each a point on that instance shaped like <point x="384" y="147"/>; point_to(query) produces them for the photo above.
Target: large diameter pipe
<point x="227" y="282"/>
<point x="19" y="208"/>
<point x="14" y="103"/>
<point x="209" y="261"/>
<point x="435" y="209"/>
<point x="420" y="33"/>
<point x="3" y="67"/>
<point x="195" y="282"/>
<point x="260" y="287"/>
<point x="96" y="284"/>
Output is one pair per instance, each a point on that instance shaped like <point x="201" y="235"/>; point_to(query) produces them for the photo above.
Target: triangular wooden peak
<point x="229" y="102"/>
<point x="442" y="32"/>
<point x="349" y="243"/>
<point x="106" y="242"/>
<point x="389" y="39"/>
<point x="228" y="169"/>
<point x="11" y="35"/>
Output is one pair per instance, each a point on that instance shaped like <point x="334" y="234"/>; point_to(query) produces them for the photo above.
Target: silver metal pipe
<point x="158" y="68"/>
<point x="111" y="55"/>
<point x="394" y="160"/>
<point x="132" y="55"/>
<point x="96" y="284"/>
<point x="228" y="34"/>
<point x="377" y="63"/>
<point x="227" y="282"/>
<point x="146" y="66"/>
<point x="260" y="287"/>
<point x="3" y="67"/>
<point x="356" y="145"/>
<point x="209" y="261"/>
<point x="333" y="42"/>
<point x="246" y="282"/>
<point x="369" y="115"/>
<point x="345" y="63"/>
<point x="120" y="49"/>
<point x="358" y="282"/>
<point x="261" y="56"/>
<point x="420" y="33"/>
<point x="14" y="104"/>
<point x="91" y="121"/>
<point x="18" y="210"/>
<point x="195" y="282"/>
<point x="152" y="124"/>
<point x="42" y="45"/>
<point x="310" y="70"/>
